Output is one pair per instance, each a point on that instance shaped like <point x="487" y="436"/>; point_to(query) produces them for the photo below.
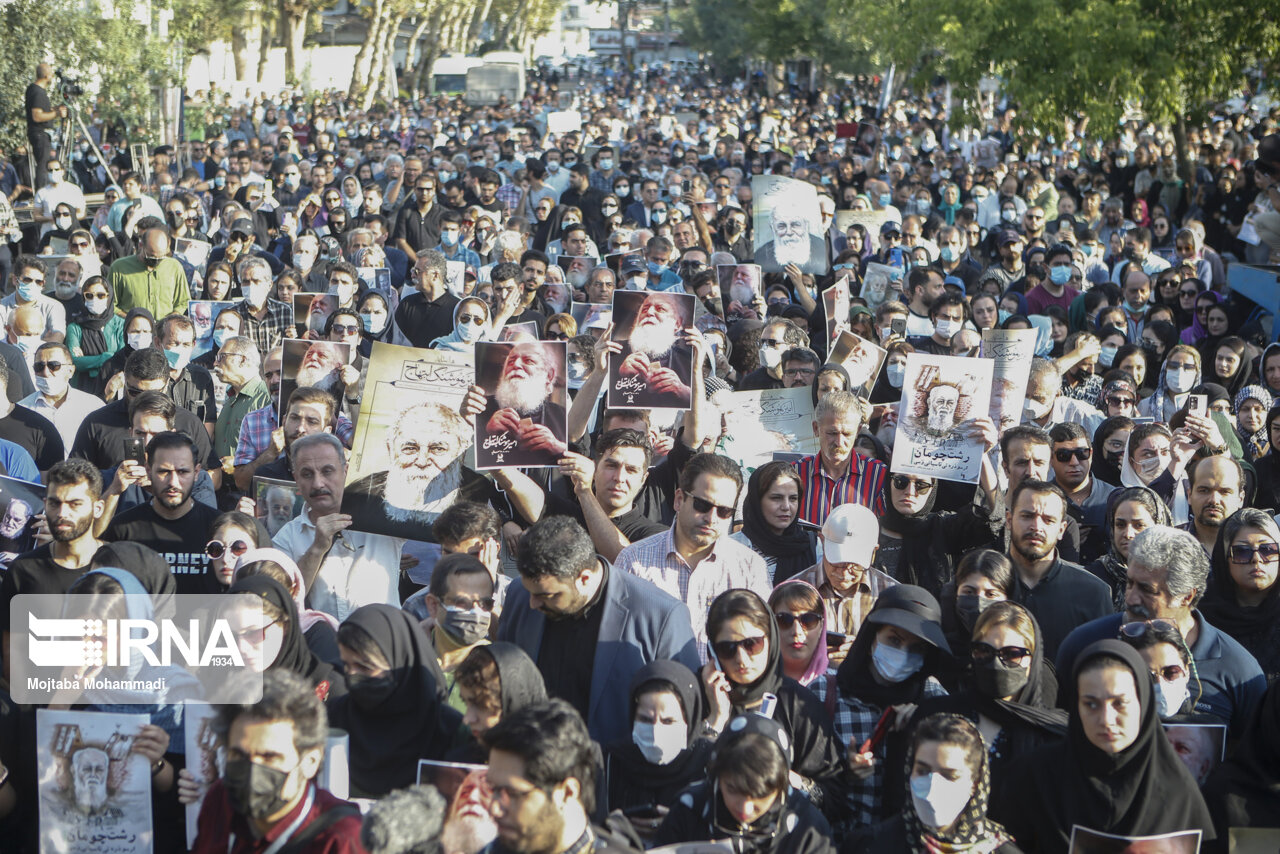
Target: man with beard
<point x="469" y="827"/>
<point x="89" y="767"/>
<point x="425" y="444"/>
<point x="321" y="367"/>
<point x="13" y="529"/>
<point x="1217" y="491"/>
<point x="279" y="503"/>
<point x="172" y="523"/>
<point x="794" y="240"/>
<point x="523" y="425"/>
<point x="72" y="505"/>
<point x="1167" y="574"/>
<point x="940" y="409"/>
<point x="343" y="569"/>
<point x="310" y="410"/>
<point x="1061" y="595"/>
<point x="655" y="356"/>
<point x="542" y="772"/>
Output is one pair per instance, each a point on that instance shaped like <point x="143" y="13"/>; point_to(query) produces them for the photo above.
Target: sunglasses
<point x="1010" y="656"/>
<point x="557" y="336"/>
<point x="1117" y="401"/>
<point x="1242" y="554"/>
<point x="1169" y="673"/>
<point x="702" y="505"/>
<point x="1138" y="628"/>
<point x="1064" y="455"/>
<point x="772" y="343"/>
<point x="728" y="650"/>
<point x="52" y="367"/>
<point x="217" y="548"/>
<point x="902" y="483"/>
<point x="471" y="318"/>
<point x="345" y="329"/>
<point x="809" y="620"/>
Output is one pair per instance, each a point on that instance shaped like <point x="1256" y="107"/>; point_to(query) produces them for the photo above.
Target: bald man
<point x="150" y="278"/>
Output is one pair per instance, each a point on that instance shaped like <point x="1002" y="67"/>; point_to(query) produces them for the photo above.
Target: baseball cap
<point x="1009" y="236"/>
<point x="912" y="609"/>
<point x="890" y="226"/>
<point x="633" y="264"/>
<point x="242" y="227"/>
<point x="850" y="535"/>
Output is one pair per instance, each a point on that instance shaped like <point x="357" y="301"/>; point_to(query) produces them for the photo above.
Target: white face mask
<point x="469" y="331"/>
<point x="896" y="373"/>
<point x="1171" y="696"/>
<point x="1150" y="467"/>
<point x="96" y="306"/>
<point x="659" y="743"/>
<point x="139" y="340"/>
<point x="770" y="358"/>
<point x="946" y="327"/>
<point x="939" y="801"/>
<point x="258" y="294"/>
<point x="896" y="665"/>
<point x="51" y="386"/>
<point x="637" y="283"/>
<point x="1034" y="410"/>
<point x="28" y="344"/>
<point x="1179" y="380"/>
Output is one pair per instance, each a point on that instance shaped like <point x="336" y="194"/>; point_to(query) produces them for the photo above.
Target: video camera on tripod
<point x="69" y="85"/>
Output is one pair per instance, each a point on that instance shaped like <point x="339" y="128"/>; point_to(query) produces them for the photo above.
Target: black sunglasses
<point x="1010" y="656"/>
<point x="702" y="505"/>
<point x="52" y="367"/>
<point x="1064" y="455"/>
<point x="217" y="548"/>
<point x="810" y="620"/>
<point x="901" y="483"/>
<point x="727" y="650"/>
<point x="1169" y="673"/>
<point x="1242" y="554"/>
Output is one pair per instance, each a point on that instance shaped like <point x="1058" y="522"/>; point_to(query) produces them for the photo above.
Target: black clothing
<point x="792" y="551"/>
<point x="1244" y="791"/>
<point x="36" y="434"/>
<point x="1143" y="790"/>
<point x="34" y="572"/>
<point x="792" y="825"/>
<point x="193" y="391"/>
<point x="520" y="685"/>
<point x="1066" y="597"/>
<point x="567" y="644"/>
<point x="391" y="730"/>
<point x="506" y="449"/>
<point x="420" y="231"/>
<point x="890" y="837"/>
<point x="423" y="321"/>
<point x="758" y="380"/>
<point x="931" y="540"/>
<point x="180" y="541"/>
<point x="294" y="653"/>
<point x="38" y="135"/>
<point x="103" y="433"/>
<point x="1257" y="628"/>
<point x="363" y="501"/>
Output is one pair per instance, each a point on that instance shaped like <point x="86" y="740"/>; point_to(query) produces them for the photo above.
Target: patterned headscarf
<point x="1257" y="443"/>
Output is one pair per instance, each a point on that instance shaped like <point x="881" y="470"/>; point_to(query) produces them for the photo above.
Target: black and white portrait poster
<point x="940" y="394"/>
<point x="592" y="318"/>
<point x="374" y="278"/>
<point x="94" y="790"/>
<point x="1086" y="841"/>
<point x="835" y="302"/>
<point x="655" y="368"/>
<point x="1200" y="746"/>
<point x="525" y="421"/>
<point x="1012" y="351"/>
<point x="312" y="363"/>
<point x="861" y="359"/>
<point x="203" y="313"/>
<point x="276" y="502"/>
<point x="20" y="503"/>
<point x="455" y="278"/>
<point x="788" y="225"/>
<point x="407" y="454"/>
<point x="878" y="284"/>
<point x="740" y="284"/>
<point x="468" y="824"/>
<point x="311" y="312"/>
<point x="576" y="269"/>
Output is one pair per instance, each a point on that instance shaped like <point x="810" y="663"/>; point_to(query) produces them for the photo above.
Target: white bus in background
<point x="498" y="73"/>
<point x="449" y="74"/>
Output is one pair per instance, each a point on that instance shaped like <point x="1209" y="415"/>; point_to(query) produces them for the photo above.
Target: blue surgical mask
<point x="222" y="336"/>
<point x="28" y="292"/>
<point x="885" y="200"/>
<point x="1059" y="275"/>
<point x="449" y="238"/>
<point x="606" y="163"/>
<point x="1002" y="315"/>
<point x="896" y="665"/>
<point x="656" y="268"/>
<point x="947" y="254"/>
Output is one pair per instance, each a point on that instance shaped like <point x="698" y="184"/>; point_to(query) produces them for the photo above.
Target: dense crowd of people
<point x="647" y="645"/>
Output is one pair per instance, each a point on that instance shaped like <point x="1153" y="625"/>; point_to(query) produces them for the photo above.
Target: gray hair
<point x="840" y="404"/>
<point x="1044" y="373"/>
<point x="318" y="439"/>
<point x="510" y="241"/>
<point x="391" y="158"/>
<point x="253" y="262"/>
<point x="242" y="345"/>
<point x="1186" y="564"/>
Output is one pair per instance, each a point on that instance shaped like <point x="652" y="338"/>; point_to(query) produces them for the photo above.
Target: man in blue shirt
<point x="1167" y="574"/>
<point x="451" y="245"/>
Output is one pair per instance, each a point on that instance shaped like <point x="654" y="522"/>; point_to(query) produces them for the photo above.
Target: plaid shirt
<point x="854" y="723"/>
<point x="266" y="333"/>
<point x="602" y="182"/>
<point x="729" y="565"/>
<point x="255" y="433"/>
<point x="510" y="194"/>
<point x="862" y="484"/>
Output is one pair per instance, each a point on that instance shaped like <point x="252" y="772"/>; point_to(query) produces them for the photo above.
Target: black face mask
<point x="254" y="790"/>
<point x="996" y="679"/>
<point x="151" y="261"/>
<point x="969" y="608"/>
<point x="369" y="692"/>
<point x="1112" y="457"/>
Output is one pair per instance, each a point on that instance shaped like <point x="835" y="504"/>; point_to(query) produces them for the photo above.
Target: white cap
<point x="850" y="535"/>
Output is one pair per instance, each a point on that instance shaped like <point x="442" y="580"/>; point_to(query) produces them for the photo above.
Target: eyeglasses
<point x="52" y="367"/>
<point x="810" y="620"/>
<point x="1169" y="673"/>
<point x="471" y="318"/>
<point x="728" y="650"/>
<point x="557" y="336"/>
<point x="1190" y="293"/>
<point x="1118" y="401"/>
<point x="1010" y="656"/>
<point x="1265" y="552"/>
<point x="466" y="604"/>
<point x="1138" y="628"/>
<point x="902" y="483"/>
<point x="772" y="343"/>
<point x="345" y="328"/>
<point x="799" y="372"/>
<point x="217" y="548"/>
<point x="26" y="281"/>
<point x="702" y="505"/>
<point x="1064" y="455"/>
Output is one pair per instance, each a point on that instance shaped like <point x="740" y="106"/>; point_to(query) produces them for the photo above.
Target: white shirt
<point x="918" y="326"/>
<point x="55" y="315"/>
<point x="50" y="196"/>
<point x="360" y="569"/>
<point x="67" y="417"/>
<point x="1151" y="265"/>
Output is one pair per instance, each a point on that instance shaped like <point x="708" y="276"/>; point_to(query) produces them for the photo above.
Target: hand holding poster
<point x="655" y="368"/>
<point x="758" y="424"/>
<point x="203" y="314"/>
<point x="939" y="395"/>
<point x="742" y="284"/>
<point x="20" y="502"/>
<point x="524" y="422"/>
<point x="788" y="225"/>
<point x="276" y="502"/>
<point x="1012" y="351"/>
<point x="468" y="824"/>
<point x="94" y="788"/>
<point x="311" y="312"/>
<point x="878" y="284"/>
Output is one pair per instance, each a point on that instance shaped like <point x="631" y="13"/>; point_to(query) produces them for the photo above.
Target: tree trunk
<point x="411" y="56"/>
<point x="240" y="50"/>
<point x="477" y="22"/>
<point x="264" y="47"/>
<point x="502" y="40"/>
<point x="364" y="57"/>
<point x="295" y="20"/>
<point x="429" y="53"/>
<point x="382" y="68"/>
<point x="1185" y="170"/>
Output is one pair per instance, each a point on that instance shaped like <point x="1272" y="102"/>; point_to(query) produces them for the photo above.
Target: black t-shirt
<point x="180" y="541"/>
<point x="422" y="320"/>
<point x="633" y="524"/>
<point x="103" y="433"/>
<point x="35" y="433"/>
<point x="568" y="651"/>
<point x="34" y="572"/>
<point x="39" y="98"/>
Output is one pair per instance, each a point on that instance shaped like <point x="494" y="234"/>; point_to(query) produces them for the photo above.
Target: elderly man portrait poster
<point x="654" y="369"/>
<point x="940" y="396"/>
<point x="20" y="503"/>
<point x="524" y="422"/>
<point x="788" y="225"/>
<point x="312" y="363"/>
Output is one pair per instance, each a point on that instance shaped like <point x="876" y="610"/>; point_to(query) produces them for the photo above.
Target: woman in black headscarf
<point x="1243" y="596"/>
<point x="666" y="750"/>
<point x="746" y="797"/>
<point x="831" y="377"/>
<point x="279" y="624"/>
<point x="1008" y="689"/>
<point x="770" y="521"/>
<point x="936" y="815"/>
<point x="150" y="568"/>
<point x="1244" y="791"/>
<point x="1267" y="495"/>
<point x="1115" y="773"/>
<point x="395" y="713"/>
<point x="1130" y="510"/>
<point x="493" y="681"/>
<point x="376" y="321"/>
<point x="1107" y="458"/>
<point x="746" y="669"/>
<point x="139" y="328"/>
<point x="549" y="229"/>
<point x="94" y="336"/>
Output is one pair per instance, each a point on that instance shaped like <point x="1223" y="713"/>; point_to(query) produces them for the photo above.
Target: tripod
<point x="66" y="137"/>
